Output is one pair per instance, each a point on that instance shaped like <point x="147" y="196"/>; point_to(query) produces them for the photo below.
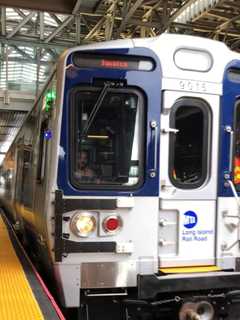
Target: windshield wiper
<point x="96" y="108"/>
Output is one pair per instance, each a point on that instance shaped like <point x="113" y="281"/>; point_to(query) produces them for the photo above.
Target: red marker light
<point x="112" y="224"/>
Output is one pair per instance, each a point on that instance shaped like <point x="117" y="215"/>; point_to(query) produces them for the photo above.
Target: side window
<point x="7" y="174"/>
<point x="42" y="151"/>
<point x="27" y="189"/>
<point x="24" y="190"/>
<point x="189" y="147"/>
<point x="19" y="176"/>
<point x="236" y="175"/>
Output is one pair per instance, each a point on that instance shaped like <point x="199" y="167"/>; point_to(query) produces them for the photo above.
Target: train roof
<point x="165" y="47"/>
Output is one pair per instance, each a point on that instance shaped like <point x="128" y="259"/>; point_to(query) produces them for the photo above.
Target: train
<point x="124" y="179"/>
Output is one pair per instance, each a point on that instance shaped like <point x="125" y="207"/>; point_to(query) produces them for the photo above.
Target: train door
<point x="188" y="179"/>
<point x="18" y="179"/>
<point x="24" y="190"/>
<point x="228" y="250"/>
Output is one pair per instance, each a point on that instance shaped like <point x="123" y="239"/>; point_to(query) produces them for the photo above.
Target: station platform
<point x="23" y="294"/>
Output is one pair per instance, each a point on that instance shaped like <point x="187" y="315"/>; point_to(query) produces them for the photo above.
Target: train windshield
<point x="106" y="137"/>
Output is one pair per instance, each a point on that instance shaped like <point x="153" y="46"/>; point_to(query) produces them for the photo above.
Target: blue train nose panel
<point x="149" y="83"/>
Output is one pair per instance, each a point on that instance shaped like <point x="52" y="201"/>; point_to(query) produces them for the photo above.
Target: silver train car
<point x="125" y="179"/>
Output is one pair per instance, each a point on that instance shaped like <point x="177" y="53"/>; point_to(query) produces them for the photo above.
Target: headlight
<point x="83" y="224"/>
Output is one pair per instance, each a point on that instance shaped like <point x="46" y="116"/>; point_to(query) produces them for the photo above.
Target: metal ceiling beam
<point x="55" y="18"/>
<point x="219" y="15"/>
<point x="17" y="104"/>
<point x="3" y="21"/>
<point x="22" y="15"/>
<point x="58" y="29"/>
<point x="165" y="20"/>
<point x="125" y="8"/>
<point x="41" y="25"/>
<point x="177" y="13"/>
<point x="34" y="42"/>
<point x="109" y="22"/>
<point x="95" y="29"/>
<point x="224" y="25"/>
<point x="58" y="6"/>
<point x="96" y="6"/>
<point x="77" y="6"/>
<point x="201" y="28"/>
<point x="23" y="53"/>
<point x="20" y="25"/>
<point x="53" y="54"/>
<point x="27" y="61"/>
<point x="149" y="12"/>
<point x="108" y="27"/>
<point x="191" y="9"/>
<point x="135" y="6"/>
<point x="78" y="29"/>
<point x="235" y="44"/>
<point x="87" y="24"/>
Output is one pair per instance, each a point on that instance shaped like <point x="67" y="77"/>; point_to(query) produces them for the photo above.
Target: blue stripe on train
<point x="231" y="92"/>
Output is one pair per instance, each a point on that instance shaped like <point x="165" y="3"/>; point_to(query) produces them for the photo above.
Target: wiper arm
<point x="96" y="108"/>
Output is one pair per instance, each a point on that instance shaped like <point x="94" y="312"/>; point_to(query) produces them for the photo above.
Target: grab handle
<point x="229" y="130"/>
<point x="154" y="128"/>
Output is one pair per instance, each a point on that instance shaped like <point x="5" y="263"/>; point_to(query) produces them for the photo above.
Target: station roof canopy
<point x="65" y="23"/>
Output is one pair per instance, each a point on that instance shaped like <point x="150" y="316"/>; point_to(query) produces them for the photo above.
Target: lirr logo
<point x="190" y="219"/>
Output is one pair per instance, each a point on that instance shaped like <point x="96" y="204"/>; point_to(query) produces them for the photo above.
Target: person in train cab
<point x="84" y="172"/>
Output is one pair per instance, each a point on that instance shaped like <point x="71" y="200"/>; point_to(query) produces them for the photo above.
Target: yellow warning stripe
<point x="190" y="269"/>
<point x="17" y="301"/>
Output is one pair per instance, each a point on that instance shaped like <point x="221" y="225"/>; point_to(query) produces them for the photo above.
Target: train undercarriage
<point x="149" y="303"/>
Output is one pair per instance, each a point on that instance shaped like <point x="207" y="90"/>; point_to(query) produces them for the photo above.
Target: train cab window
<point x="106" y="138"/>
<point x="236" y="170"/>
<point x="189" y="145"/>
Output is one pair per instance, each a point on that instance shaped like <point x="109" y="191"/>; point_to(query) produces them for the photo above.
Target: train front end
<point x="106" y="206"/>
<point x="137" y="213"/>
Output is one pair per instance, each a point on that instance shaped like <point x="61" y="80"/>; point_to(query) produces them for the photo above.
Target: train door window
<point x="27" y="189"/>
<point x="236" y="170"/>
<point x="189" y="147"/>
<point x="42" y="151"/>
<point x="19" y="176"/>
<point x="107" y="138"/>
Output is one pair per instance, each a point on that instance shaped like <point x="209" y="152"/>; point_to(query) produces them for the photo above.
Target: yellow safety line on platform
<point x="190" y="269"/>
<point x="17" y="301"/>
